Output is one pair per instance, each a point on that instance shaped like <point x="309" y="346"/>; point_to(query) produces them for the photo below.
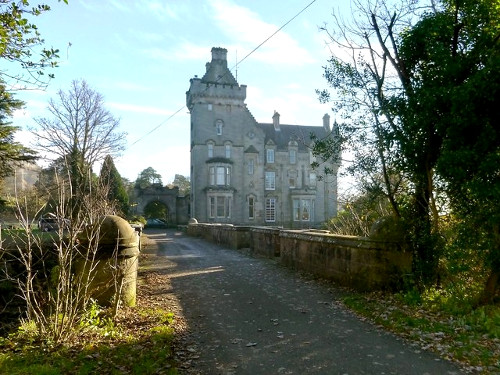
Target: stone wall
<point x="182" y="208"/>
<point x="233" y="237"/>
<point x="265" y="241"/>
<point x="357" y="262"/>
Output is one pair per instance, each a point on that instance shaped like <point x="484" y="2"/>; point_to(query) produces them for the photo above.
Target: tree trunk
<point x="492" y="285"/>
<point x="490" y="288"/>
<point x="425" y="255"/>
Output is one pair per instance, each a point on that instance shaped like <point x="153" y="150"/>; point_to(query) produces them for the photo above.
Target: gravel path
<point x="247" y="315"/>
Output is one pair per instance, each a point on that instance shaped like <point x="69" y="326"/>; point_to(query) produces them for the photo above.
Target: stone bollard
<point x="113" y="269"/>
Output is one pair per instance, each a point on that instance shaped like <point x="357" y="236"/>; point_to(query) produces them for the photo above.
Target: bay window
<point x="303" y="209"/>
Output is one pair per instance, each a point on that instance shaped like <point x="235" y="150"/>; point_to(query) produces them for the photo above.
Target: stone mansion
<point x="249" y="173"/>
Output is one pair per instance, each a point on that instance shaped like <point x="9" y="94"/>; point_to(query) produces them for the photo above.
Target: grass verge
<point x="140" y="340"/>
<point x="140" y="343"/>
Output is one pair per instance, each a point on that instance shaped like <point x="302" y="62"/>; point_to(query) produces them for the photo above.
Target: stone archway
<point x="157" y="209"/>
<point x="162" y="199"/>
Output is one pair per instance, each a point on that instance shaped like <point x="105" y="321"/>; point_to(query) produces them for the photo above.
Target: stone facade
<point x="245" y="172"/>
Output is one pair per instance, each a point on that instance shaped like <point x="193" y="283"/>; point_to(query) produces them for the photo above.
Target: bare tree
<point x="54" y="275"/>
<point x="80" y="131"/>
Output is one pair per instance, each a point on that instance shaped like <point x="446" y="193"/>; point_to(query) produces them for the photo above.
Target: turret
<point x="217" y="82"/>
<point x="219" y="54"/>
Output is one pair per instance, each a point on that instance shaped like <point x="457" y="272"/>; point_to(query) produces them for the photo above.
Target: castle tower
<point x="219" y="119"/>
<point x="244" y="172"/>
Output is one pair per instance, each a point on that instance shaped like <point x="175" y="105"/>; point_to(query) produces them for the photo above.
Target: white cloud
<point x="157" y="54"/>
<point x="139" y="109"/>
<point x="294" y="107"/>
<point x="293" y="86"/>
<point x="33" y="108"/>
<point x="131" y="86"/>
<point x="247" y="29"/>
<point x="167" y="162"/>
<point x="24" y="137"/>
<point x="119" y="5"/>
<point x="96" y="6"/>
<point x="160" y="9"/>
<point x="145" y="37"/>
<point x="185" y="51"/>
<point x="190" y="51"/>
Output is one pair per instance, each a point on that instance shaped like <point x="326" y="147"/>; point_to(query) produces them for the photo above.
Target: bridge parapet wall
<point x="357" y="262"/>
<point x="265" y="241"/>
<point x="228" y="235"/>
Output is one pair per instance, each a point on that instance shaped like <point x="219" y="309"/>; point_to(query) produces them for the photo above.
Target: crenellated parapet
<point x="201" y="92"/>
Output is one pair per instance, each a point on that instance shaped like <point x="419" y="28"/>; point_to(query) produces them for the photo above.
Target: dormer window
<point x="218" y="127"/>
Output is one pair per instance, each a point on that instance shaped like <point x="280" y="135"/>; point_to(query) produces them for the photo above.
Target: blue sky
<point x="141" y="54"/>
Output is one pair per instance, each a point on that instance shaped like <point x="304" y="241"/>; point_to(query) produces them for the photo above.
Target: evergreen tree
<point x="22" y="68"/>
<point x="12" y="153"/>
<point x="111" y="179"/>
<point x="148" y="177"/>
<point x="183" y="183"/>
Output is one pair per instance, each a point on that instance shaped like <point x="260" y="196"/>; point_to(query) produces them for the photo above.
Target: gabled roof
<point x="251" y="149"/>
<point x="286" y="133"/>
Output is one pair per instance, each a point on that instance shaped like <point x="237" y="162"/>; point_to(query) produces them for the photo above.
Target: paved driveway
<point x="251" y="316"/>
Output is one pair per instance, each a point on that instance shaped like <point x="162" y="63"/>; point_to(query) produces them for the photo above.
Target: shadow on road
<point x="251" y="316"/>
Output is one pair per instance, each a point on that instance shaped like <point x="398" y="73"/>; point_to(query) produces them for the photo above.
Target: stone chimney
<point x="219" y="53"/>
<point x="276" y="121"/>
<point x="326" y="122"/>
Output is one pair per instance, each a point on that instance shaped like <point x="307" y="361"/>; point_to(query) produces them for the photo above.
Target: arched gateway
<point x="166" y="202"/>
